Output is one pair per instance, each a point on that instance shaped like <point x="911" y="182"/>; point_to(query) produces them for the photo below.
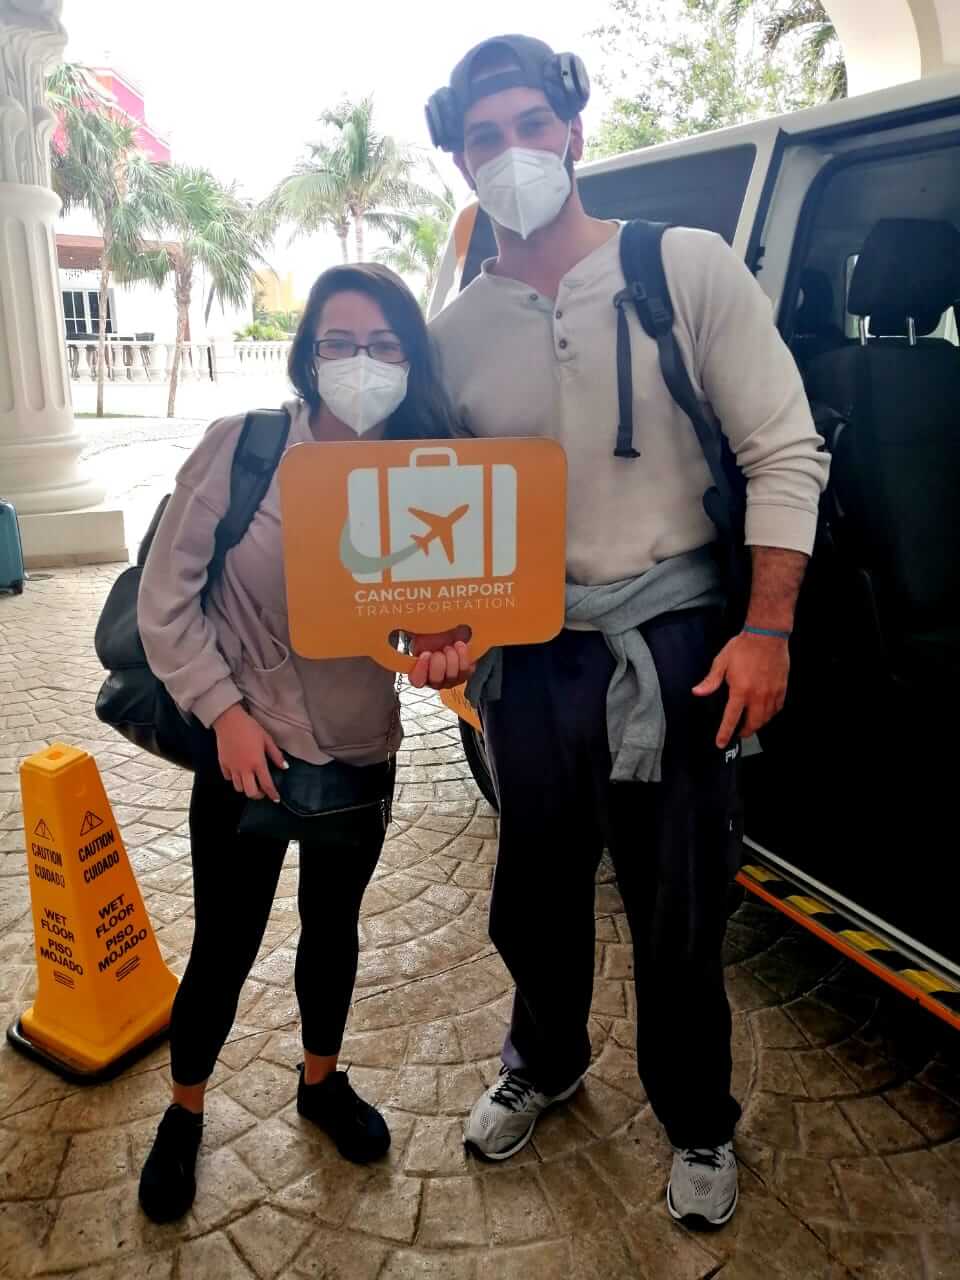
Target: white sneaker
<point x="503" y="1119"/>
<point x="703" y="1190"/>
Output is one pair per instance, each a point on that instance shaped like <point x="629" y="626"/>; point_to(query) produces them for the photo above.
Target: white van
<point x="849" y="216"/>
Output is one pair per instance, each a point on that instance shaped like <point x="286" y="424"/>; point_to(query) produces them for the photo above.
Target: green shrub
<point x="261" y="332"/>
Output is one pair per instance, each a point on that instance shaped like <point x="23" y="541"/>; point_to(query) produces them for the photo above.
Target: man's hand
<point x="443" y="659"/>
<point x="756" y="669"/>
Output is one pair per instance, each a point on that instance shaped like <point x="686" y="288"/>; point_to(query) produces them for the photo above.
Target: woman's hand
<point x="443" y="659"/>
<point x="243" y="748"/>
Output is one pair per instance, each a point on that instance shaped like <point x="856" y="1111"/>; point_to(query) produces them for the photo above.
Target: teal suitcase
<point x="11" y="551"/>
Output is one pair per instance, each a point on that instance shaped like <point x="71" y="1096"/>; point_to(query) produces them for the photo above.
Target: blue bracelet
<point x="764" y="631"/>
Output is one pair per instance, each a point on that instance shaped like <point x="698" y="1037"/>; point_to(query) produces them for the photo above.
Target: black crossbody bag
<point x="310" y="792"/>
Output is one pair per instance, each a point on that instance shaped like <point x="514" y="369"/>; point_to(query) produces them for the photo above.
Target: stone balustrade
<point x="130" y="360"/>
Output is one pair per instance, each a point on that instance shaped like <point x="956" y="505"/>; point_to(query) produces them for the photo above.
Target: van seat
<point x="896" y="467"/>
<point x="814" y="328"/>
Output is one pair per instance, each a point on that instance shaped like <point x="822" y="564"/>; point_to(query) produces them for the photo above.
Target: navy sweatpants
<point x="675" y="845"/>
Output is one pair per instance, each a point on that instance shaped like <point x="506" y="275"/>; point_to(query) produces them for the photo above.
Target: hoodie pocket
<point x="271" y="682"/>
<point x="281" y="658"/>
<point x="268" y="647"/>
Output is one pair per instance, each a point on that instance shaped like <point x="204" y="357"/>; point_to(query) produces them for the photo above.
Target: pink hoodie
<point x="238" y="649"/>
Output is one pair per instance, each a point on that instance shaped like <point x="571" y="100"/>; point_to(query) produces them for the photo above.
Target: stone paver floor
<point x="849" y="1143"/>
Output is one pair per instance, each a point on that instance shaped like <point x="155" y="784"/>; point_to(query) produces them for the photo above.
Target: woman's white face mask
<point x="524" y="190"/>
<point x="360" y="391"/>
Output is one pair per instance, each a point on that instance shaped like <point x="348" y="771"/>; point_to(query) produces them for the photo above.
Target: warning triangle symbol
<point x="43" y="831"/>
<point x="90" y="823"/>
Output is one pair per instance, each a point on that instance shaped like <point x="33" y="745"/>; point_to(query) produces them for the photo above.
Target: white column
<point x="888" y="42"/>
<point x="40" y="471"/>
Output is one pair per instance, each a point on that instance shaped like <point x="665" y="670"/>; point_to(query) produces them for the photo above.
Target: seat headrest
<point x="815" y="312"/>
<point x="893" y="324"/>
<point x="907" y="267"/>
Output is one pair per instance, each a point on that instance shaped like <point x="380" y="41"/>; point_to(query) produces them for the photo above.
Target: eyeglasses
<point x="340" y="349"/>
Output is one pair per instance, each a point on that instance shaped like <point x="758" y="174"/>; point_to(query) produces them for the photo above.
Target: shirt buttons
<point x="559" y="315"/>
<point x="562" y="344"/>
<point x="534" y="297"/>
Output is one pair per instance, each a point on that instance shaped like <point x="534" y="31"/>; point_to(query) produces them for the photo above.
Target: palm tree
<point x="100" y="168"/>
<point x="820" y="43"/>
<point x="73" y="88"/>
<point x="790" y="17"/>
<point x="349" y="181"/>
<point x="418" y="239"/>
<point x="312" y="199"/>
<point x="215" y="230"/>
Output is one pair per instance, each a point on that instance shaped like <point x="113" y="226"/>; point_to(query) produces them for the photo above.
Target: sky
<point x="237" y="86"/>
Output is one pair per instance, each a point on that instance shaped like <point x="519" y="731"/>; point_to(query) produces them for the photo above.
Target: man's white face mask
<point x="360" y="391"/>
<point x="524" y="190"/>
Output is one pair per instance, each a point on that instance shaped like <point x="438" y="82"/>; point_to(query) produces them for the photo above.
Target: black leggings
<point x="234" y="882"/>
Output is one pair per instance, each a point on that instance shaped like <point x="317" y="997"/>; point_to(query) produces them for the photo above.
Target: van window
<point x="921" y="183"/>
<point x="851" y="323"/>
<point x="704" y="190"/>
<point x="948" y="327"/>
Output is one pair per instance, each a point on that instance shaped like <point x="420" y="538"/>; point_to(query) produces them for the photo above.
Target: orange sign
<point x="455" y="700"/>
<point x="420" y="537"/>
<point x="103" y="991"/>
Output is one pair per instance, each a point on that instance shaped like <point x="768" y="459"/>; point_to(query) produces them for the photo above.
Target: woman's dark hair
<point x="426" y="411"/>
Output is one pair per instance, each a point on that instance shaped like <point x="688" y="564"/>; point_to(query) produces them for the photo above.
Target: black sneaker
<point x="358" y="1130"/>
<point x="167" y="1182"/>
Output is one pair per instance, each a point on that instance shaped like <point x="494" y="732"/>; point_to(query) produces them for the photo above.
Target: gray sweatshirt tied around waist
<point x="636" y="725"/>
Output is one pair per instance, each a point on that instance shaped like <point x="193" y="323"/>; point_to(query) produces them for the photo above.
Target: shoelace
<point x="512" y="1091"/>
<point x="711" y="1157"/>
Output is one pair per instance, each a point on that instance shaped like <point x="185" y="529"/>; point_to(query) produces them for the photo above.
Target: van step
<point x="865" y="943"/>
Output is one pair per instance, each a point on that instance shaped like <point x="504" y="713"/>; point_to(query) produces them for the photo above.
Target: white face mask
<point x="361" y="392"/>
<point x="524" y="190"/>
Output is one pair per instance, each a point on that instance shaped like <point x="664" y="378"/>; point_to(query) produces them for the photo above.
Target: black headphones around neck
<point x="563" y="78"/>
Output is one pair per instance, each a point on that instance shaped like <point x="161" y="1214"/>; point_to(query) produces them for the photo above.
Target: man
<point x="529" y="348"/>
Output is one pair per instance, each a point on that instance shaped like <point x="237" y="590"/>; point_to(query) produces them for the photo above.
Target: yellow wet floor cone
<point x="103" y="991"/>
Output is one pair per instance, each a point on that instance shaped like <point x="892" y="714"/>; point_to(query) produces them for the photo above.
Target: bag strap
<point x="641" y="259"/>
<point x="263" y="439"/>
<point x="146" y="542"/>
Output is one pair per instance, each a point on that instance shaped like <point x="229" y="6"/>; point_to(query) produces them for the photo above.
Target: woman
<point x="361" y="365"/>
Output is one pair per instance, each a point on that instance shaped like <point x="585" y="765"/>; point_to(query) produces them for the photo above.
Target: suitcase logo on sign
<point x="431" y="520"/>
<point x="388" y="537"/>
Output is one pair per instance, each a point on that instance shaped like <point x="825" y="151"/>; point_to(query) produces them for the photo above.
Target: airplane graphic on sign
<point x="386" y="536"/>
<point x="440" y="527"/>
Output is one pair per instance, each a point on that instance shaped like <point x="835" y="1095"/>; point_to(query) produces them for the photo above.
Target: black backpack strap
<point x="641" y="259"/>
<point x="625" y="447"/>
<point x="725" y="501"/>
<point x="643" y="273"/>
<point x="146" y="542"/>
<point x="260" y="447"/>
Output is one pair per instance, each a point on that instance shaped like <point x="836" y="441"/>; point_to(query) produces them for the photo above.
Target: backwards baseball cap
<point x="526" y="63"/>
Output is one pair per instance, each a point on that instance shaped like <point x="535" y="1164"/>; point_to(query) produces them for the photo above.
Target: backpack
<point x="132" y="700"/>
<point x="725" y="502"/>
